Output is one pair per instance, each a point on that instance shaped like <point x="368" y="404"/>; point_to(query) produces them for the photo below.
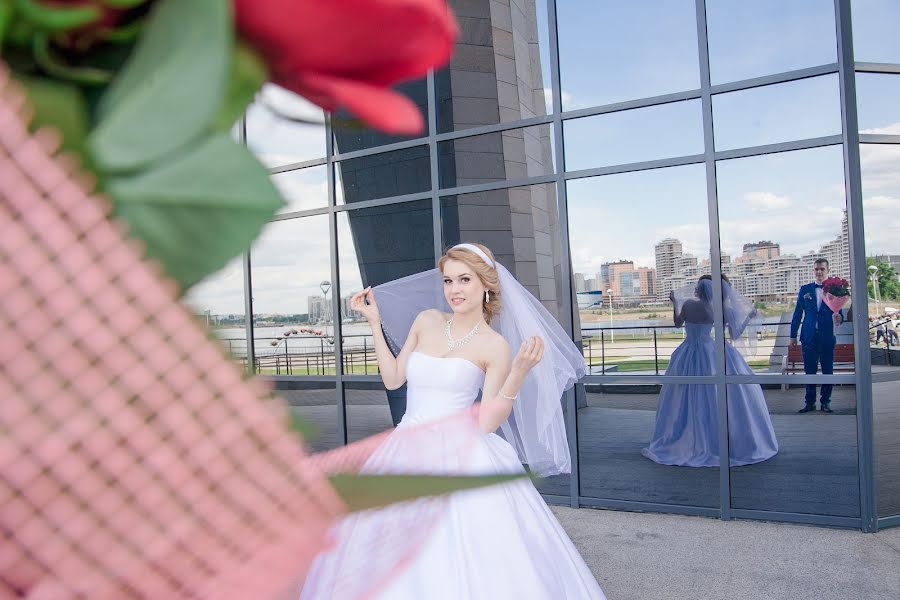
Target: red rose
<point x="346" y="53"/>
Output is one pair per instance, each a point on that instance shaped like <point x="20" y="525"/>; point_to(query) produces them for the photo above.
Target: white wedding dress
<point x="500" y="542"/>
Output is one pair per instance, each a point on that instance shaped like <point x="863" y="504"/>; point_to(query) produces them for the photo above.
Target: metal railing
<point x="643" y="348"/>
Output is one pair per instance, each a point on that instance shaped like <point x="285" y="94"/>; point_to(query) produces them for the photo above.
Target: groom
<point x="816" y="334"/>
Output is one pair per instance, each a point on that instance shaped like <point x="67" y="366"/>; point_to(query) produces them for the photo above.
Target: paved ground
<point x="640" y="556"/>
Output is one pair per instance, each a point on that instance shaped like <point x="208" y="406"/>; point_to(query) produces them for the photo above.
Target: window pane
<point x="752" y="39"/>
<point x="778" y="213"/>
<point x="784" y="112"/>
<point x="617" y="423"/>
<point x="500" y="70"/>
<point x="876" y="97"/>
<point x="303" y="189"/>
<point x="886" y="418"/>
<point x="292" y="325"/>
<point x="277" y="140"/>
<point x="520" y="226"/>
<point x="369" y="407"/>
<point x="816" y="468"/>
<point x="632" y="245"/>
<point x="315" y="402"/>
<point x="395" y="173"/>
<point x="881" y="213"/>
<point x="219" y="300"/>
<point x="876" y="30"/>
<point x="376" y="245"/>
<point x="611" y="51"/>
<point x="501" y="156"/>
<point x="352" y="137"/>
<point x="628" y="136"/>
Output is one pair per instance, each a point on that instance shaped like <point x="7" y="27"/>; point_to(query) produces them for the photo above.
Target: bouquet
<point x="128" y="438"/>
<point x="836" y="293"/>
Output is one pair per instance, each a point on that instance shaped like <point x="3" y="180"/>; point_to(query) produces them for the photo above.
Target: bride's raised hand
<point x="370" y="310"/>
<point x="529" y="354"/>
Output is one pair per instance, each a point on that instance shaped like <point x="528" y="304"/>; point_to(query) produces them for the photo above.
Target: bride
<point x="687" y="415"/>
<point x="452" y="329"/>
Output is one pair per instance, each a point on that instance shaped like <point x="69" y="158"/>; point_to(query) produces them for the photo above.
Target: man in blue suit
<point x="816" y="323"/>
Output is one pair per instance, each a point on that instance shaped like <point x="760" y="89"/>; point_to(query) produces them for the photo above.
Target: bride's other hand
<point x="370" y="310"/>
<point x="529" y="354"/>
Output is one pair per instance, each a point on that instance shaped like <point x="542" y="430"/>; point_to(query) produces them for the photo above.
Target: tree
<point x="888" y="281"/>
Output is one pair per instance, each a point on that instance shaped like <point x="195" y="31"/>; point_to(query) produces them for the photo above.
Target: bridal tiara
<point x="478" y="251"/>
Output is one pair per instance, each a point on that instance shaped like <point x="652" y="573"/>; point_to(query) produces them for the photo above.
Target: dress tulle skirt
<point x="497" y="543"/>
<point x="686" y="431"/>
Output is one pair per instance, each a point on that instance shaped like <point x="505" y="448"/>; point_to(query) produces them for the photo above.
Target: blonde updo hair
<point x="485" y="272"/>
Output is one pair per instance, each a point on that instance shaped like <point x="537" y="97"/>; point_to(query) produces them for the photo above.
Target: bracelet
<point x="504" y="396"/>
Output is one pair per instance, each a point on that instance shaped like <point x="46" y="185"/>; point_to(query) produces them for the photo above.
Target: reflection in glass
<point x="500" y="156"/>
<point x="886" y="419"/>
<point x="219" y="301"/>
<point x="635" y="237"/>
<point x="368" y="409"/>
<point x="302" y="189"/>
<point x="376" y="245"/>
<point x="278" y="140"/>
<point x="778" y="214"/>
<point x="881" y="214"/>
<point x="351" y="136"/>
<point x="315" y="403"/>
<point x="752" y="39"/>
<point x="664" y="131"/>
<point x="612" y="51"/>
<point x="394" y="173"/>
<point x="687" y="415"/>
<point x="615" y="423"/>
<point x="816" y="468"/>
<point x="783" y="112"/>
<point x="500" y="70"/>
<point x="876" y="30"/>
<point x="292" y="324"/>
<point x="876" y="98"/>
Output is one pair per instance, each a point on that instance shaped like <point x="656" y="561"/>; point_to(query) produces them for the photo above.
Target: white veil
<point x="535" y="428"/>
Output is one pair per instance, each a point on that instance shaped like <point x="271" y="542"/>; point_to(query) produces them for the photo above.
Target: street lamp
<point x="325" y="286"/>
<point x="874" y="277"/>
<point x="612" y="335"/>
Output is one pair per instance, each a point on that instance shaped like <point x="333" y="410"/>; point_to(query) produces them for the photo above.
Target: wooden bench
<point x="792" y="362"/>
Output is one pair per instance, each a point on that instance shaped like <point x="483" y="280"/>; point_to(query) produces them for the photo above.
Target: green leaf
<point x="362" y="492"/>
<point x="171" y="88"/>
<point x="246" y="76"/>
<point x="62" y="106"/>
<point x="123" y="3"/>
<point x="197" y="209"/>
<point x="58" y="68"/>
<point x="6" y="13"/>
<point x="56" y="17"/>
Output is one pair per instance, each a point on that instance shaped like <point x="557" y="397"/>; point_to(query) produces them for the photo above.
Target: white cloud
<point x="766" y="201"/>
<point x="892" y="129"/>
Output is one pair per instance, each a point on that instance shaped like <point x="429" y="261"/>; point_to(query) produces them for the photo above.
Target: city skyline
<point x="761" y="271"/>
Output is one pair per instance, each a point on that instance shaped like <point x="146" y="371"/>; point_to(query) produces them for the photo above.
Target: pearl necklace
<point x="453" y="344"/>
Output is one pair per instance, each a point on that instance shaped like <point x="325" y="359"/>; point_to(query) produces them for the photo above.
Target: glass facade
<point x="610" y="154"/>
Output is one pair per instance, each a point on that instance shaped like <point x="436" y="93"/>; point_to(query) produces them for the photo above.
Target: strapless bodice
<point x="439" y="386"/>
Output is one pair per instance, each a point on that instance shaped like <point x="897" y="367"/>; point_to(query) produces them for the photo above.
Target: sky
<point x="612" y="51"/>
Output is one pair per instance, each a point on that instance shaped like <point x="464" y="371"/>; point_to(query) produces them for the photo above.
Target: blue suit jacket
<point x="807" y="316"/>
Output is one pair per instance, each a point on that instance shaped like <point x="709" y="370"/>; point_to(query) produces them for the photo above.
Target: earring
<point x="487" y="296"/>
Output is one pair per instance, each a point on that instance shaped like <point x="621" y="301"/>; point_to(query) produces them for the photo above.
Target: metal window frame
<point x="849" y="139"/>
